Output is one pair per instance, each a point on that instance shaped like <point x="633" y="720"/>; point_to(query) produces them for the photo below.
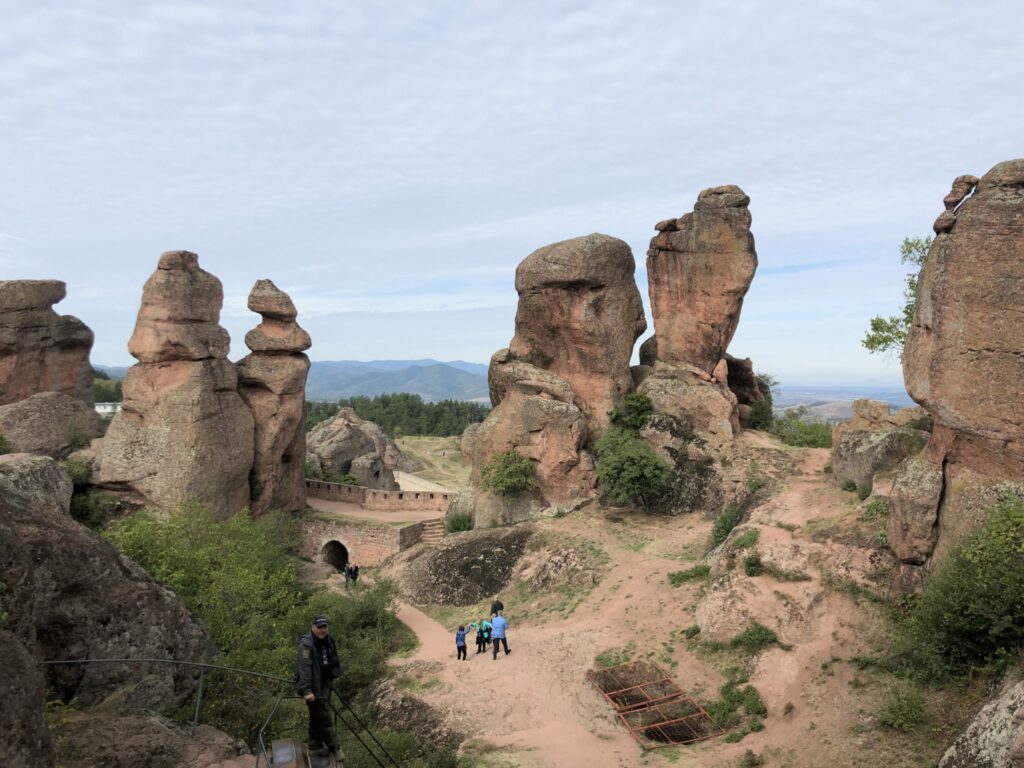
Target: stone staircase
<point x="433" y="531"/>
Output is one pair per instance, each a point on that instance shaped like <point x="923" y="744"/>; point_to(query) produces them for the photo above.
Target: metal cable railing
<point x="262" y="754"/>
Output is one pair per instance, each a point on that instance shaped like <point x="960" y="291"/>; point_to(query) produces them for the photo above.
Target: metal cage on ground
<point x="651" y="706"/>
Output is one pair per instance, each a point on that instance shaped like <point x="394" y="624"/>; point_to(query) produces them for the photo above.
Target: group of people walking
<point x="351" y="574"/>
<point x="489" y="632"/>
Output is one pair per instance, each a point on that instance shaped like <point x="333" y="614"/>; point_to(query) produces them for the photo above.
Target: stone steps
<point x="433" y="531"/>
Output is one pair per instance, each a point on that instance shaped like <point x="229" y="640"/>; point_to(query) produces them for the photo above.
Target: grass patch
<point x="904" y="708"/>
<point x="876" y="509"/>
<point x="458" y="522"/>
<point x="755" y="638"/>
<point x="747" y="539"/>
<point x="615" y="656"/>
<point x="415" y="685"/>
<point x="724" y="523"/>
<point x="752" y="565"/>
<point x="677" y="578"/>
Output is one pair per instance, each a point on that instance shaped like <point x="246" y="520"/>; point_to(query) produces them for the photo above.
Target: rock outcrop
<point x="49" y="423"/>
<point x="578" y="316"/>
<point x="349" y="445"/>
<point x="41" y="351"/>
<point x="699" y="268"/>
<point x="995" y="738"/>
<point x="70" y="594"/>
<point x="272" y="381"/>
<point x="875" y="441"/>
<point x="963" y="362"/>
<point x="184" y="432"/>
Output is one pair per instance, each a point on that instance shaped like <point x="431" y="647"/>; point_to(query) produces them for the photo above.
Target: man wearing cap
<point x="316" y="665"/>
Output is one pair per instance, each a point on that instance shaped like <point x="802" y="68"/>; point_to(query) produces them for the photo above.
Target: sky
<point x="389" y="164"/>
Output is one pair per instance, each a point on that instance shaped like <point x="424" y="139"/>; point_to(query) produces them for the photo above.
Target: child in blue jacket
<point x="460" y="643"/>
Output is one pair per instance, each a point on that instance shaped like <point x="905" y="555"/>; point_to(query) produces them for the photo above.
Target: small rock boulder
<point x="49" y="423"/>
<point x="681" y="391"/>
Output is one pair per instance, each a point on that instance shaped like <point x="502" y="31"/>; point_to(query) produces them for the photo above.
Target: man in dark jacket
<point x="316" y="665"/>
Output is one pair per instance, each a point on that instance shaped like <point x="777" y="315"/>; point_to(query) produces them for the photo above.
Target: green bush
<point x="733" y="695"/>
<point x="94" y="508"/>
<point x="971" y="611"/>
<point x="507" y="474"/>
<point x="849" y="485"/>
<point x="458" y="522"/>
<point x="878" y="507"/>
<point x="632" y="412"/>
<point x="237" y="576"/>
<point x="752" y="565"/>
<point x="677" y="578"/>
<point x="754" y="638"/>
<point x="5" y="445"/>
<point x="629" y="471"/>
<point x="724" y="524"/>
<point x="863" y="492"/>
<point x="795" y="427"/>
<point x="79" y="470"/>
<point x="904" y="710"/>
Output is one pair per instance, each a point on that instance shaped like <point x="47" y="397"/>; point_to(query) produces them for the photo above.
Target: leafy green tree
<point x="629" y="471"/>
<point x="762" y="412"/>
<point x="507" y="474"/>
<point x="403" y="414"/>
<point x="795" y="427"/>
<point x="632" y="412"/>
<point x="889" y="334"/>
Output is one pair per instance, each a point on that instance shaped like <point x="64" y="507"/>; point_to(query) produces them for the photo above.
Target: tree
<point x="762" y="412"/>
<point x="629" y="470"/>
<point x="889" y="334"/>
<point x="507" y="474"/>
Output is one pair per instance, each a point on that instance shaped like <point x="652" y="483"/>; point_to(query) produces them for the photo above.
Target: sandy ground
<point x="408" y="482"/>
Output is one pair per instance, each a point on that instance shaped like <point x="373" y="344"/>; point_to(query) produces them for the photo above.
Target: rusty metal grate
<point x="651" y="706"/>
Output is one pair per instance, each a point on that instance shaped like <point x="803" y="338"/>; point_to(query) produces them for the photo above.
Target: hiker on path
<point x="460" y="643"/>
<point x="496" y="606"/>
<point x="498" y="627"/>
<point x="355" y="574"/>
<point x="348" y="574"/>
<point x="483" y="634"/>
<point x="316" y="666"/>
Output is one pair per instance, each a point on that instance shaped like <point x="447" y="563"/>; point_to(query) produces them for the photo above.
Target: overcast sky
<point x="389" y="164"/>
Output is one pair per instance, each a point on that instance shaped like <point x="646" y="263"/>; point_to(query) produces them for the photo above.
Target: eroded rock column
<point x="184" y="432"/>
<point x="272" y="381"/>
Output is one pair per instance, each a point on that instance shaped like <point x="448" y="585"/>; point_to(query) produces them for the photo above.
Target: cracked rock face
<point x="184" y="432"/>
<point x="699" y="268"/>
<point x="964" y="356"/>
<point x="272" y="381"/>
<point x="41" y="351"/>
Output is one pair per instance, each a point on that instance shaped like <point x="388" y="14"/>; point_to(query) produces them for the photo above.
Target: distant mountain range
<point x="432" y="380"/>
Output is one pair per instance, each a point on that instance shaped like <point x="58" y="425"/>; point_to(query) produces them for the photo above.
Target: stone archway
<point x="334" y="553"/>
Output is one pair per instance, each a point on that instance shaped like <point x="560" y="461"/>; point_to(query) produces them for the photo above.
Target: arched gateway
<point x="334" y="553"/>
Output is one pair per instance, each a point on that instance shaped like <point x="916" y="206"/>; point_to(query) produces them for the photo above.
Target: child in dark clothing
<point x="460" y="643"/>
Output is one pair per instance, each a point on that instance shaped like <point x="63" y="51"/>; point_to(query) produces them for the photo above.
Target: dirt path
<point x="534" y="700"/>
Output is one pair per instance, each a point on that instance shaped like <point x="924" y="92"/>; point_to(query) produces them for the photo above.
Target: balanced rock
<point x="49" y="423"/>
<point x="349" y="445"/>
<point x="578" y="316"/>
<point x="41" y="351"/>
<point x="962" y="362"/>
<point x="183" y="432"/>
<point x="699" y="268"/>
<point x="272" y="381"/>
<point x="75" y="596"/>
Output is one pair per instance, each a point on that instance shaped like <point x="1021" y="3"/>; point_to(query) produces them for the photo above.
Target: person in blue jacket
<point x="498" y="627"/>
<point x="460" y="643"/>
<point x="483" y="634"/>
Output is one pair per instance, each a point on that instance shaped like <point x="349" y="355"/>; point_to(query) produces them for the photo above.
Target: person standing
<point x="355" y="575"/>
<point x="316" y="666"/>
<point x="496" y="606"/>
<point x="460" y="643"/>
<point x="483" y="634"/>
<point x="498" y="627"/>
<point x="348" y="574"/>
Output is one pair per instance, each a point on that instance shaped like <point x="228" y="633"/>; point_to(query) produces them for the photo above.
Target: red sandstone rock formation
<point x="184" y="432"/>
<point x="349" y="445"/>
<point x="272" y="381"/>
<point x="699" y="268"/>
<point x="41" y="351"/>
<point x="579" y="315"/>
<point x="963" y="363"/>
